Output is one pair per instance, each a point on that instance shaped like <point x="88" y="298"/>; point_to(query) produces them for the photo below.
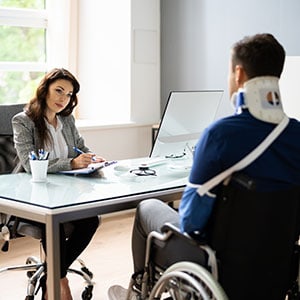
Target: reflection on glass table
<point x="112" y="183"/>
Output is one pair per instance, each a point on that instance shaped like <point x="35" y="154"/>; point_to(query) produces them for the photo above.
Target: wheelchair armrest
<point x="187" y="249"/>
<point x="169" y="226"/>
<point x="194" y="238"/>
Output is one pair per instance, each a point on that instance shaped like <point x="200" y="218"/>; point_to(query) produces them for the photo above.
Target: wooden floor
<point x="108" y="257"/>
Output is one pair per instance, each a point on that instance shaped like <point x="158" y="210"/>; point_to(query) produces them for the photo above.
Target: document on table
<point x="90" y="168"/>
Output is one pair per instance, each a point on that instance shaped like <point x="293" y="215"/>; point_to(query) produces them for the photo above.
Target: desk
<point x="64" y="198"/>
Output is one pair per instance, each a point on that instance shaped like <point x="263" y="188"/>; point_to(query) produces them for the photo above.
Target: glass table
<point x="64" y="198"/>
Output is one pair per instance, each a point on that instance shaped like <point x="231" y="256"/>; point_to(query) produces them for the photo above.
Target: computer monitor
<point x="186" y="115"/>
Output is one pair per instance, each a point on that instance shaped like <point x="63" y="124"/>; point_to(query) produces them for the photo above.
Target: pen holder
<point x="39" y="170"/>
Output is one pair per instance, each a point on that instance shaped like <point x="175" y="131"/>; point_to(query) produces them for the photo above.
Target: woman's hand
<point x="83" y="160"/>
<point x="97" y="159"/>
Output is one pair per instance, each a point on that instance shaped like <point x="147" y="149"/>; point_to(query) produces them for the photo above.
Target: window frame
<point x="55" y="20"/>
<point x="32" y="18"/>
<point x="61" y="20"/>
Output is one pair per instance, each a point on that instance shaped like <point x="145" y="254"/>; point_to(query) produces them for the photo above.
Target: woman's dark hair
<point x="36" y="107"/>
<point x="260" y="55"/>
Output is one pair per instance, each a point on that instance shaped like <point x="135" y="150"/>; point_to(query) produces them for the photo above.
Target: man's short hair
<point x="259" y="55"/>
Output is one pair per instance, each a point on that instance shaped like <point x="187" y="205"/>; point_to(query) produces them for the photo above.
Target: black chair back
<point x="254" y="235"/>
<point x="8" y="156"/>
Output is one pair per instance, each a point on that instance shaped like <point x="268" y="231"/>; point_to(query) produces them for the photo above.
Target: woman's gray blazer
<point x="26" y="140"/>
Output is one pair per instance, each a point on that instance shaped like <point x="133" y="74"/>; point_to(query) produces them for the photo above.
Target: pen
<point x="81" y="152"/>
<point x="78" y="150"/>
<point x="32" y="155"/>
<point x="43" y="155"/>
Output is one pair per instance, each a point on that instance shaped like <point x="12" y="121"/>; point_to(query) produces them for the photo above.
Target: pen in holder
<point x="39" y="165"/>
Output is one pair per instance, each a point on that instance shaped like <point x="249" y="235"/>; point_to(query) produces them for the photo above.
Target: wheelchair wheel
<point x="187" y="280"/>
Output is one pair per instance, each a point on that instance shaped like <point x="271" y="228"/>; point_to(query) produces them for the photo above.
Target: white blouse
<point x="59" y="149"/>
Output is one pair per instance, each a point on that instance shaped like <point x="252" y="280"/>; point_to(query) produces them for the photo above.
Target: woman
<point x="47" y="123"/>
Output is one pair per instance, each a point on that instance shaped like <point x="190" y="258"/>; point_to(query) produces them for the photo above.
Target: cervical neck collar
<point x="261" y="96"/>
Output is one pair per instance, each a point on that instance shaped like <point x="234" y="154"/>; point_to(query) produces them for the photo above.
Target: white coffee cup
<point x="39" y="170"/>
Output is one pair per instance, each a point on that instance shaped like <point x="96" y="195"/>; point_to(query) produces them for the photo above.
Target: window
<point x="23" y="27"/>
<point x="112" y="47"/>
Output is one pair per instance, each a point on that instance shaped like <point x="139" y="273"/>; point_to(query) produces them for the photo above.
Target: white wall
<point x="197" y="36"/>
<point x="289" y="86"/>
<point x="119" y="142"/>
<point x="133" y="137"/>
<point x="145" y="66"/>
<point x="194" y="56"/>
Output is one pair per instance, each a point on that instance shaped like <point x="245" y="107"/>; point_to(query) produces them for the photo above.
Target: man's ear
<point x="240" y="76"/>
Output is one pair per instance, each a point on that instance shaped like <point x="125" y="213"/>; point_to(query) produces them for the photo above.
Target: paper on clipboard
<point x="90" y="168"/>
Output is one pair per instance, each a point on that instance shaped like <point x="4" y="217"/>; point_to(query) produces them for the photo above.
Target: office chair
<point x="8" y="154"/>
<point x="12" y="227"/>
<point x="250" y="251"/>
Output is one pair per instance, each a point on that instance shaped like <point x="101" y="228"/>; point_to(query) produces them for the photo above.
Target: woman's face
<point x="59" y="95"/>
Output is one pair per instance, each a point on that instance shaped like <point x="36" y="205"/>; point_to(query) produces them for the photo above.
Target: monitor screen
<point x="186" y="115"/>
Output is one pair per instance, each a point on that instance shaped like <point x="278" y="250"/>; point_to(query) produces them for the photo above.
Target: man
<point x="256" y="65"/>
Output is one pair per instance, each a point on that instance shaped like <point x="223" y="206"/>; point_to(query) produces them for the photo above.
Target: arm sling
<point x="247" y="160"/>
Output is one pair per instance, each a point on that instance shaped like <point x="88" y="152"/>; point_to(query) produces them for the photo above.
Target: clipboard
<point x="90" y="168"/>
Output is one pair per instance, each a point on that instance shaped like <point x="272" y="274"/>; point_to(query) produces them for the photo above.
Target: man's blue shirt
<point x="226" y="142"/>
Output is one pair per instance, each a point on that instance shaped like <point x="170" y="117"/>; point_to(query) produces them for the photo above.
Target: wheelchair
<point x="190" y="272"/>
<point x="250" y="251"/>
